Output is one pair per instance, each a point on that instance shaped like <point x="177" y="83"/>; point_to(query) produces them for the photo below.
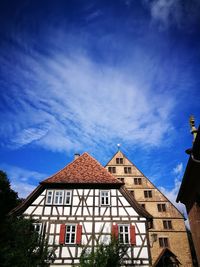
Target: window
<point x="37" y="227"/>
<point x="104" y="198"/>
<point x="121" y="179"/>
<point x="132" y="192"/>
<point x="58" y="197"/>
<point x="124" y="234"/>
<point x="161" y="207"/>
<point x="143" y="205"/>
<point x="119" y="160"/>
<point x="70" y="234"/>
<point x="147" y="193"/>
<point x="68" y="197"/>
<point x="163" y="242"/>
<point x="167" y="224"/>
<point x="137" y="181"/>
<point x="112" y="169"/>
<point x="49" y="197"/>
<point x="127" y="169"/>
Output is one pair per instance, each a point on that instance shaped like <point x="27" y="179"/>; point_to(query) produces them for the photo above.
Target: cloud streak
<point x="70" y="100"/>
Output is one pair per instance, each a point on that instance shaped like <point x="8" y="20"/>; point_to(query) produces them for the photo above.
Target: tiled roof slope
<point x="83" y="170"/>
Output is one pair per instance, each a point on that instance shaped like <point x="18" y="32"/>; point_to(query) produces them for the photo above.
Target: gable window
<point x="143" y="205"/>
<point x="70" y="234"/>
<point x="104" y="197"/>
<point x="137" y="181"/>
<point x="127" y="169"/>
<point x="132" y="192"/>
<point x="112" y="169"/>
<point x="167" y="224"/>
<point x="119" y="160"/>
<point x="68" y="197"/>
<point x="124" y="234"/>
<point x="58" y="197"/>
<point x="121" y="179"/>
<point x="161" y="207"/>
<point x="163" y="242"/>
<point x="147" y="193"/>
<point x="49" y="197"/>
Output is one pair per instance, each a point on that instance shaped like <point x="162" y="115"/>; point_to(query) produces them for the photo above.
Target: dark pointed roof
<point x="83" y="170"/>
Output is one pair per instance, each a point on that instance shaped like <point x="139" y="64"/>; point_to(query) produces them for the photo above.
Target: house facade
<point x="189" y="192"/>
<point x="81" y="206"/>
<point x="168" y="237"/>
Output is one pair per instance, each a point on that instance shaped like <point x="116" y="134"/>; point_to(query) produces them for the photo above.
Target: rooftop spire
<point x="118" y="146"/>
<point x="193" y="129"/>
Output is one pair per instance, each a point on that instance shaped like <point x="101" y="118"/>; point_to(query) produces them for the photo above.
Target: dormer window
<point x="112" y="169"/>
<point x="119" y="160"/>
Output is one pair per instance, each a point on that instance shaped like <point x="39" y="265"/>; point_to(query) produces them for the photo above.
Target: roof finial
<point x="193" y="129"/>
<point x="118" y="146"/>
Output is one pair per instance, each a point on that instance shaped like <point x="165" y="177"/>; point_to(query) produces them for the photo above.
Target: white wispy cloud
<point x="182" y="14"/>
<point x="22" y="180"/>
<point x="178" y="170"/>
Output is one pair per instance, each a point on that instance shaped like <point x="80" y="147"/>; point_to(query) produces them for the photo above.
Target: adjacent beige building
<point x="168" y="238"/>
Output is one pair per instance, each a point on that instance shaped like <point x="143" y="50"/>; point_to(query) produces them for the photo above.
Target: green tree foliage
<point x="8" y="197"/>
<point x="20" y="244"/>
<point x="104" y="255"/>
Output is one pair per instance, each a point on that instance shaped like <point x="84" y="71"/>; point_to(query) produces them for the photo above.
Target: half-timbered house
<point x="81" y="206"/>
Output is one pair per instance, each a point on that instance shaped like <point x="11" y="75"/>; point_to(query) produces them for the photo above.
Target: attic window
<point x="104" y="197"/>
<point x="112" y="169"/>
<point x="121" y="179"/>
<point x="119" y="160"/>
<point x="161" y="207"/>
<point x="137" y="181"/>
<point x="58" y="197"/>
<point x="49" y="197"/>
<point x="127" y="170"/>
<point x="147" y="193"/>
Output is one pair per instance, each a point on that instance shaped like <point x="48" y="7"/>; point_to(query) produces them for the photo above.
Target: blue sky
<point x="82" y="75"/>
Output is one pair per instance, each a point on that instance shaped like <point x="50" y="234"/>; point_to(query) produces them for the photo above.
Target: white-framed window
<point x="70" y="237"/>
<point x="49" y="197"/>
<point x="104" y="197"/>
<point x="37" y="227"/>
<point x="124" y="236"/>
<point x="58" y="197"/>
<point x="68" y="197"/>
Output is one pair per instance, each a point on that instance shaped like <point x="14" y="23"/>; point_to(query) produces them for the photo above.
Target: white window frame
<point x="124" y="233"/>
<point x="60" y="196"/>
<point x="70" y="233"/>
<point x="70" y="197"/>
<point x="104" y="195"/>
<point x="35" y="225"/>
<point x="51" y="197"/>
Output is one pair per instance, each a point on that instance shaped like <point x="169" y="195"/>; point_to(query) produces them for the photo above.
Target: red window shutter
<point x="78" y="234"/>
<point x="132" y="235"/>
<point x="62" y="234"/>
<point x="115" y="230"/>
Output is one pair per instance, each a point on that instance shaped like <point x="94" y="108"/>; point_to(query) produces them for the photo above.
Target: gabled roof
<point x="166" y="254"/>
<point x="83" y="170"/>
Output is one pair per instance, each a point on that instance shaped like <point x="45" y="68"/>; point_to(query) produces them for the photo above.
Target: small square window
<point x="143" y="205"/>
<point x="49" y="197"/>
<point x="58" y="197"/>
<point x="137" y="181"/>
<point x="132" y="192"/>
<point x="167" y="224"/>
<point x="70" y="234"/>
<point x="112" y="169"/>
<point x="104" y="197"/>
<point x="161" y="207"/>
<point x="147" y="193"/>
<point x="127" y="170"/>
<point x="119" y="161"/>
<point x="163" y="242"/>
<point x="121" y="179"/>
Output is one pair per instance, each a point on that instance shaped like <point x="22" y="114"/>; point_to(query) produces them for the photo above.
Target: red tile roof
<point x="83" y="170"/>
